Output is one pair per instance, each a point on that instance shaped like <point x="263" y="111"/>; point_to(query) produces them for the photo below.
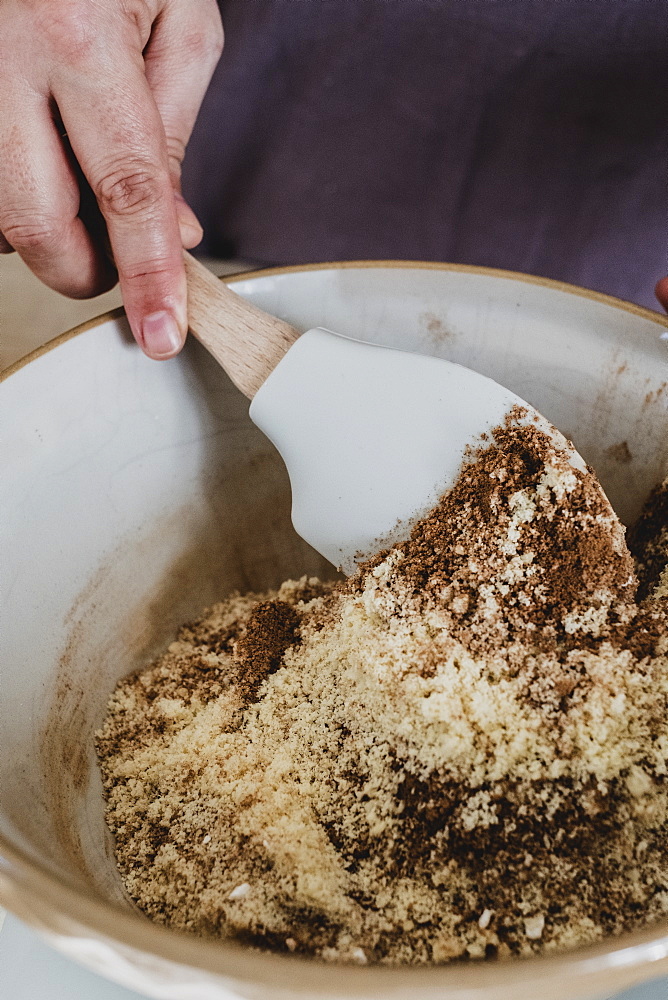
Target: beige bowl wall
<point x="134" y="493"/>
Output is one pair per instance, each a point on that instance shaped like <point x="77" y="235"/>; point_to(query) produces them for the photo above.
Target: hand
<point x="661" y="292"/>
<point x="104" y="93"/>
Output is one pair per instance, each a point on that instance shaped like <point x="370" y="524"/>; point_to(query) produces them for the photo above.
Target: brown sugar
<point x="459" y="753"/>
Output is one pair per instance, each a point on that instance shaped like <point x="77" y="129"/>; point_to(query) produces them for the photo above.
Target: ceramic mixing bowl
<point x="133" y="493"/>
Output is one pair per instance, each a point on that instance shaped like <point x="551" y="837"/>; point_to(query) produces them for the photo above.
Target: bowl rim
<point x="62" y="907"/>
<point x="418" y="265"/>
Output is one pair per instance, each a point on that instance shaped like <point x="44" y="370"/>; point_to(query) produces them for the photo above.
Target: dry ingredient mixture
<point x="461" y="752"/>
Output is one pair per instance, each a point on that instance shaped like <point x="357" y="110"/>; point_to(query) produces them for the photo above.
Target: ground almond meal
<point x="459" y="753"/>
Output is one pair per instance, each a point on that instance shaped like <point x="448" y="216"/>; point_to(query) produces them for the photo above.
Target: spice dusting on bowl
<point x="459" y="753"/>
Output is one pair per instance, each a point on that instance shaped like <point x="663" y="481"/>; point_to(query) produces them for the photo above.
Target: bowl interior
<point x="134" y="494"/>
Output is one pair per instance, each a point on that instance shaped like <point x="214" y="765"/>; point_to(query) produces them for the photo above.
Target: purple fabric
<point x="509" y="133"/>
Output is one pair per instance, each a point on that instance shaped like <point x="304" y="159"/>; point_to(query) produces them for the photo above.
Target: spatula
<point x="371" y="436"/>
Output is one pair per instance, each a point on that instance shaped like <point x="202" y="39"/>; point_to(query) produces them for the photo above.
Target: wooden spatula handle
<point x="246" y="341"/>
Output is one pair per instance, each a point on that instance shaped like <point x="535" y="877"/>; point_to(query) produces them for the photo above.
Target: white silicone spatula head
<point x="371" y="436"/>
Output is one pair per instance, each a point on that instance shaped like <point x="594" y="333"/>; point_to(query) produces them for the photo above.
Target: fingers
<point x="185" y="45"/>
<point x="118" y="139"/>
<point x="189" y="225"/>
<point x="661" y="292"/>
<point x="102" y="62"/>
<point x="39" y="202"/>
<point x="184" y="48"/>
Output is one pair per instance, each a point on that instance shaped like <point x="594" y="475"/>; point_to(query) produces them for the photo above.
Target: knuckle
<point x="203" y="44"/>
<point x="36" y="236"/>
<point x="69" y="29"/>
<point x="131" y="190"/>
<point x="159" y="272"/>
<point x="208" y="38"/>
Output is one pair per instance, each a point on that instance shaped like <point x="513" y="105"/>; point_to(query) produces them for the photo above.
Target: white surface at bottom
<point x="30" y="970"/>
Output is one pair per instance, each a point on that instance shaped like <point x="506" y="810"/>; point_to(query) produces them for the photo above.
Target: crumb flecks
<point x="460" y="753"/>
